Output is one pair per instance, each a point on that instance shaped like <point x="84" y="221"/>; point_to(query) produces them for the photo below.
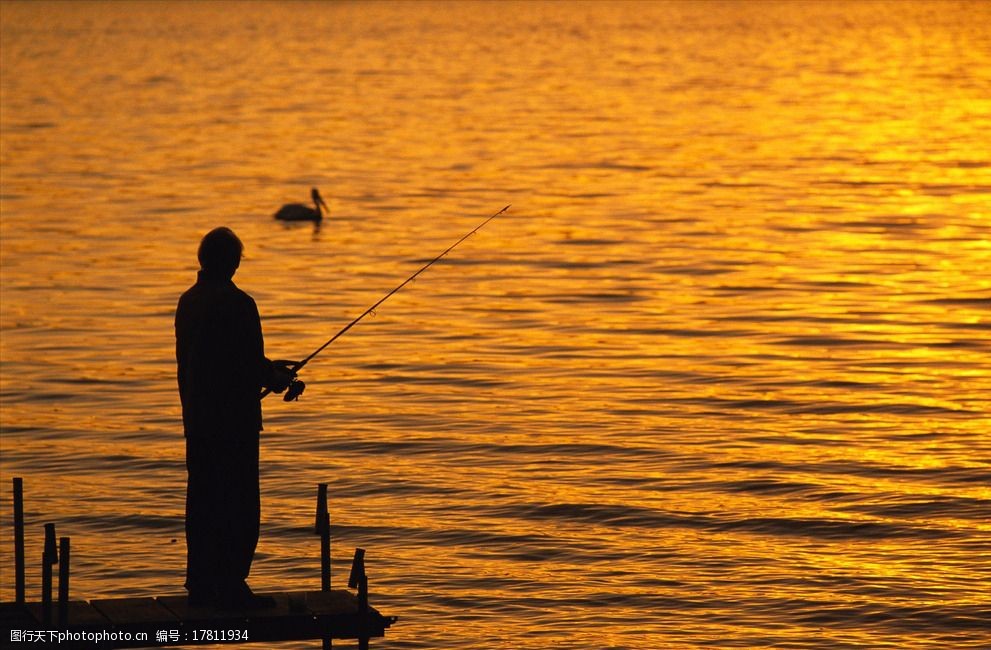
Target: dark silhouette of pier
<point x="169" y="620"/>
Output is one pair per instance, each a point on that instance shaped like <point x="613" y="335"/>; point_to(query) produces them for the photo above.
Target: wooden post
<point x="63" y="581"/>
<point x="358" y="580"/>
<point x="19" y="594"/>
<point x="49" y="557"/>
<point x="357" y="568"/>
<point x="325" y="554"/>
<point x="363" y="610"/>
<point x="321" y="507"/>
<point x="46" y="589"/>
<point x="322" y="528"/>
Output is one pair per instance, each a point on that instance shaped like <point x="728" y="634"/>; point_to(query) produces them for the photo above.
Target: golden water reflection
<point x="726" y="358"/>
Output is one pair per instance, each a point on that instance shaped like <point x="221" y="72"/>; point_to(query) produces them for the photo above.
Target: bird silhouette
<point x="300" y="212"/>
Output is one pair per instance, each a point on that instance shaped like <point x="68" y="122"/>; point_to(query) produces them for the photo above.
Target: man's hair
<point x="220" y="250"/>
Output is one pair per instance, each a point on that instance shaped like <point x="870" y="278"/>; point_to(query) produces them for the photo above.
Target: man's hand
<point x="282" y="375"/>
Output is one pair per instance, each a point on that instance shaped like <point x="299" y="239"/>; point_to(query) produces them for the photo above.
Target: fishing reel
<point x="295" y="389"/>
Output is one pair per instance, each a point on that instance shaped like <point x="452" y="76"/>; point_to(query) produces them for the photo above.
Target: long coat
<point x="221" y="359"/>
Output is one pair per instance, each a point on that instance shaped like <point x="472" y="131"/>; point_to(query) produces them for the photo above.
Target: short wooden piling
<point x="19" y="593"/>
<point x="63" y="581"/>
<point x="49" y="557"/>
<point x="359" y="580"/>
<point x="321" y="508"/>
<point x="46" y="590"/>
<point x="357" y="568"/>
<point x="325" y="556"/>
<point x="322" y="528"/>
<point x="363" y="610"/>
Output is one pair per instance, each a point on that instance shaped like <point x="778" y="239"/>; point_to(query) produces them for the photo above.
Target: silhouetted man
<point x="222" y="370"/>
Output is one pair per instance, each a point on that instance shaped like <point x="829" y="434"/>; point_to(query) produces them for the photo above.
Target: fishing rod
<point x="296" y="387"/>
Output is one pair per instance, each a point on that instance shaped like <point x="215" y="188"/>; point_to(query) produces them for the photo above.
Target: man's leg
<point x="242" y="514"/>
<point x="202" y="524"/>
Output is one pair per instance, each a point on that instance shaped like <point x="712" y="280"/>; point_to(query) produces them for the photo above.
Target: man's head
<point x="220" y="252"/>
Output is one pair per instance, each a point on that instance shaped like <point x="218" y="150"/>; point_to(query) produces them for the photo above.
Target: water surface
<point x="720" y="377"/>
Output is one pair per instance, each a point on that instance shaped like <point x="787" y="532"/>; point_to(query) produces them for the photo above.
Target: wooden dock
<point x="164" y="621"/>
<point x="169" y="621"/>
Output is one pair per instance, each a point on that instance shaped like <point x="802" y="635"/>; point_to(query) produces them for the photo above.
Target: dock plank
<point x="80" y="614"/>
<point x="180" y="608"/>
<point x="282" y="622"/>
<point x="296" y="616"/>
<point x="134" y="611"/>
<point x="183" y="611"/>
<point x="15" y="616"/>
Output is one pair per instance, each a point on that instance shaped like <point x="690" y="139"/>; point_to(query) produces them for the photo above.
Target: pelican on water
<point x="300" y="212"/>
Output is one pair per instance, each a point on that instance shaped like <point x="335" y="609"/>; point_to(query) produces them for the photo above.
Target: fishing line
<point x="296" y="387"/>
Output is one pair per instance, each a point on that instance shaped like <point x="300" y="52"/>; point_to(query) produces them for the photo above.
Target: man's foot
<point x="200" y="599"/>
<point x="241" y="597"/>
